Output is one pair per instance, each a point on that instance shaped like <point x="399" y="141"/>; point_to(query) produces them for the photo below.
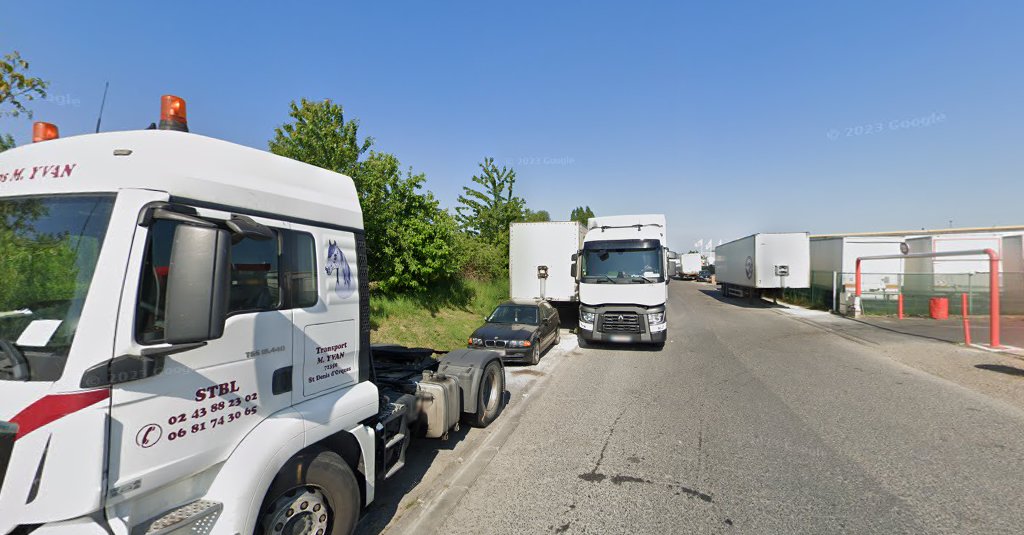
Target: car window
<point x="514" y="314"/>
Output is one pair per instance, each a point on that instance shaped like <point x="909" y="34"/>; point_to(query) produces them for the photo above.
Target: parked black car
<point x="520" y="328"/>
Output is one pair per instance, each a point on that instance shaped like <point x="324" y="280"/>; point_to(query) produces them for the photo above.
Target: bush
<point x="481" y="260"/>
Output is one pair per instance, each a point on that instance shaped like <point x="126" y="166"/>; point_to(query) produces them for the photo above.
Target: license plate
<point x="619" y="338"/>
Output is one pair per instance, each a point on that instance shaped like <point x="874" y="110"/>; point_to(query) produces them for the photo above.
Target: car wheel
<point x="535" y="354"/>
<point x="315" y="493"/>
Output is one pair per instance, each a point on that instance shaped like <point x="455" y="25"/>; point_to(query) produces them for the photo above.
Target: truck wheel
<point x="314" y="493"/>
<point x="535" y="355"/>
<point x="490" y="397"/>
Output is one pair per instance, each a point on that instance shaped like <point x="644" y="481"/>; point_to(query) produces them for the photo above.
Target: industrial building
<point x="834" y="257"/>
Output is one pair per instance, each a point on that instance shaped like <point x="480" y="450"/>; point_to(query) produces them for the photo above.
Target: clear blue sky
<point x="729" y="117"/>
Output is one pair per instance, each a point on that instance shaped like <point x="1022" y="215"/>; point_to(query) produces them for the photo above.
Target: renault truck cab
<point x="623" y="278"/>
<point x="185" y="343"/>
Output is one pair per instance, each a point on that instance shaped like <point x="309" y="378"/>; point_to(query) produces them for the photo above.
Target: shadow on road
<point x="742" y="302"/>
<point x="609" y="346"/>
<point x="1008" y="370"/>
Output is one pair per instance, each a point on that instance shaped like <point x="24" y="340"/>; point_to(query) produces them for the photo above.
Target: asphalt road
<point x="749" y="421"/>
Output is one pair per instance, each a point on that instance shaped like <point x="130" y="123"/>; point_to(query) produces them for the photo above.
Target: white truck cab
<point x="623" y="278"/>
<point x="185" y="343"/>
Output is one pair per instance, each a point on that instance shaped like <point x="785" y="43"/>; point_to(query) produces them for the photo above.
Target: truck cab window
<point x="299" y="268"/>
<point x="255" y="281"/>
<point x="254" y="276"/>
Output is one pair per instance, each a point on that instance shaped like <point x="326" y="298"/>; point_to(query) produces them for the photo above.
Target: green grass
<point x="441" y="317"/>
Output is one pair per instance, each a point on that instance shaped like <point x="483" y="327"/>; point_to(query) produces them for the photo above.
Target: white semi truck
<point x="690" y="265"/>
<point x="539" y="265"/>
<point x="185" y="343"/>
<point x="623" y="278"/>
<point x="765" y="261"/>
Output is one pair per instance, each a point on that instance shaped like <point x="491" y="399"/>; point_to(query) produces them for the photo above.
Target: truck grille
<point x="620" y="322"/>
<point x="494" y="343"/>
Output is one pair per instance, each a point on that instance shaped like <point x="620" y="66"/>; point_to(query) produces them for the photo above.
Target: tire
<point x="535" y="354"/>
<point x="316" y="490"/>
<point x="490" y="398"/>
<point x="582" y="342"/>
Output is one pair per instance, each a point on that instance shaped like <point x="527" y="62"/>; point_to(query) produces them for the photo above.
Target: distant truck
<point x="690" y="265"/>
<point x="766" y="261"/>
<point x="539" y="260"/>
<point x="623" y="270"/>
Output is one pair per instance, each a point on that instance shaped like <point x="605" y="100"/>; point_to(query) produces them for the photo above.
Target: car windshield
<point x="525" y="314"/>
<point x="621" y="265"/>
<point x="49" y="246"/>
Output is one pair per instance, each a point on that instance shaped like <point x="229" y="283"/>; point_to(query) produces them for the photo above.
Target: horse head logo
<point x="337" y="265"/>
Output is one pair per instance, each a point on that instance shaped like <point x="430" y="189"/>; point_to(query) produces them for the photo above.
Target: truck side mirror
<point x="572" y="269"/>
<point x="198" y="283"/>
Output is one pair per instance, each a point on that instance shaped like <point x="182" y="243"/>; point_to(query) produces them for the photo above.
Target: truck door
<point x="188" y="417"/>
<point x="327" y="337"/>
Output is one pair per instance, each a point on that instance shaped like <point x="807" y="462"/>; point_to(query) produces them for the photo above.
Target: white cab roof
<point x="184" y="165"/>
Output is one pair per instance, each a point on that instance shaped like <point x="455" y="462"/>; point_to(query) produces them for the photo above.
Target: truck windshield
<point x="622" y="265"/>
<point x="48" y="252"/>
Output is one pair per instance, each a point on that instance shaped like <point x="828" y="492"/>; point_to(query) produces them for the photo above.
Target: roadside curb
<point x="455" y="482"/>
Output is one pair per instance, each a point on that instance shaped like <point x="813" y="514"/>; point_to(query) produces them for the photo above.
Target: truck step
<point x="398" y="466"/>
<point x="197" y="518"/>
<point x="395" y="441"/>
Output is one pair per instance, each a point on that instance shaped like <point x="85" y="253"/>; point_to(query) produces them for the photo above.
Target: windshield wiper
<point x="635" y="277"/>
<point x="19" y="365"/>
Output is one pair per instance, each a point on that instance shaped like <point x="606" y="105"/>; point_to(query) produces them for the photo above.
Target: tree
<point x="581" y="214"/>
<point x="6" y="142"/>
<point x="531" y="217"/>
<point x="18" y="88"/>
<point x="488" y="211"/>
<point x="320" y="135"/>
<point x="410" y="240"/>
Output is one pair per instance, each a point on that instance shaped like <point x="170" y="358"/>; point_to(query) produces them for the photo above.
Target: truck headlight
<point x="588" y="317"/>
<point x="656" y="318"/>
<point x="519" y="343"/>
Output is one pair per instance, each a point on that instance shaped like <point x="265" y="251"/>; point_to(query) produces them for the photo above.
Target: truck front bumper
<point x="623" y="324"/>
<point x="623" y="338"/>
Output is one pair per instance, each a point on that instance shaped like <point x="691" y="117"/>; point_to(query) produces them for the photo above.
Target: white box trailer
<point x="763" y="261"/>
<point x="690" y="265"/>
<point x="536" y="249"/>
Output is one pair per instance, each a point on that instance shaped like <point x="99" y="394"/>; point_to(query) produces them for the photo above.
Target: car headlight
<point x="656" y="318"/>
<point x="519" y="343"/>
<point x="475" y="341"/>
<point x="588" y="317"/>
